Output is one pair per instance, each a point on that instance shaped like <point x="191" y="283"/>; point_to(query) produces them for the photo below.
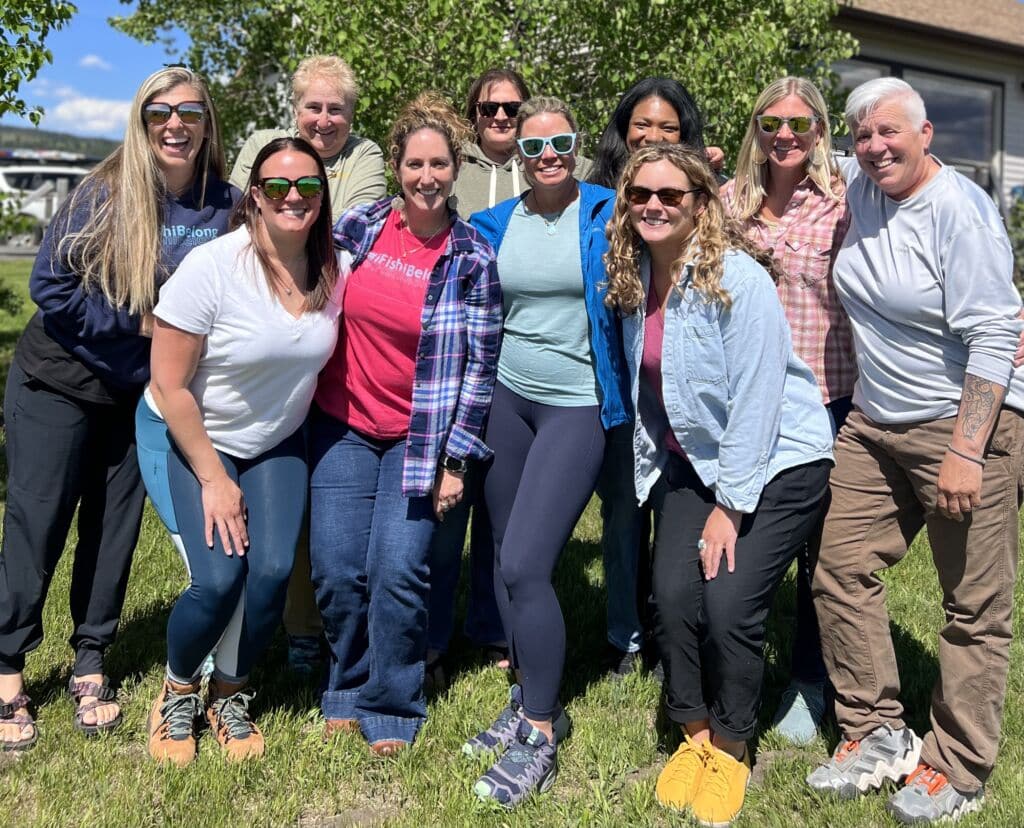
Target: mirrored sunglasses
<point x="490" y="108"/>
<point x="561" y="144"/>
<point x="189" y="112"/>
<point x="798" y="124"/>
<point x="309" y="186"/>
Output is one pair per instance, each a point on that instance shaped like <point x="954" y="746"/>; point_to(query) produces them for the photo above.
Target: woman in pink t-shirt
<point x="399" y="412"/>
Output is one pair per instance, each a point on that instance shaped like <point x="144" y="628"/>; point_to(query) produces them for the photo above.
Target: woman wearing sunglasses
<point x="789" y="197"/>
<point x="324" y="93"/>
<point x="77" y="373"/>
<point x="399" y="413"/>
<point x="242" y="331"/>
<point x="561" y="383"/>
<point x="733" y="446"/>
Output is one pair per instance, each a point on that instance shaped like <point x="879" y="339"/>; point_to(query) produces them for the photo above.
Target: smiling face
<point x="498" y="134"/>
<point x="175" y="144"/>
<point x="324" y="118"/>
<point x="892" y="150"/>
<point x="549" y="170"/>
<point x="658" y="225"/>
<point x="293" y="213"/>
<point x="653" y="121"/>
<point x="426" y="171"/>
<point x="785" y="149"/>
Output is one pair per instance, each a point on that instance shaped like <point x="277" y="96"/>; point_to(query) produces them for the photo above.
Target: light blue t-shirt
<point x="545" y="348"/>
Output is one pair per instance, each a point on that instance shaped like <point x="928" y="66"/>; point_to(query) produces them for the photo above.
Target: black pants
<point x="711" y="633"/>
<point x="61" y="453"/>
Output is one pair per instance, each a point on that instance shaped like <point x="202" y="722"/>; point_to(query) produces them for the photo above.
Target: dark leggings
<point x="546" y="460"/>
<point x="274" y="485"/>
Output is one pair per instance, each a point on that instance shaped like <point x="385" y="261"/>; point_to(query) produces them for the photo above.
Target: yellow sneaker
<point x="680" y="778"/>
<point x="723" y="785"/>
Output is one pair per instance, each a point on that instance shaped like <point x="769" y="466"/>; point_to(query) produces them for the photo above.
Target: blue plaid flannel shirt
<point x="457" y="356"/>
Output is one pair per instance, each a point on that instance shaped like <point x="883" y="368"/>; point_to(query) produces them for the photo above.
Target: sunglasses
<point x="561" y="144"/>
<point x="309" y="186"/>
<point x="490" y="108"/>
<point x="189" y="112"/>
<point x="668" y="196"/>
<point x="798" y="124"/>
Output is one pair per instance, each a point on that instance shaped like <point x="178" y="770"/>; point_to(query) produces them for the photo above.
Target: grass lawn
<point x="607" y="768"/>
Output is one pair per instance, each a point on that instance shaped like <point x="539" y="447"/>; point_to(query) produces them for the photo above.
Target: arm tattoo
<point x="977" y="406"/>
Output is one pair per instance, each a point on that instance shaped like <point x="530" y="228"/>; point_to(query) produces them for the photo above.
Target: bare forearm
<point x="979" y="409"/>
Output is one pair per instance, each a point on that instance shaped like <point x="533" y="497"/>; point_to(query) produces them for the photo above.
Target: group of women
<point x="493" y="361"/>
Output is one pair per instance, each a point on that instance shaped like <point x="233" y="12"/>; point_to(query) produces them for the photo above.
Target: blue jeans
<point x="622" y="534"/>
<point x="369" y="549"/>
<point x="274" y="487"/>
<point x="483" y="622"/>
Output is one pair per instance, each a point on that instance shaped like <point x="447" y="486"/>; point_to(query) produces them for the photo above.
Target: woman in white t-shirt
<point x="242" y="331"/>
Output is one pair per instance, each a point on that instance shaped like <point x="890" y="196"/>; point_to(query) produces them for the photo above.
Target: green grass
<point x="607" y="768"/>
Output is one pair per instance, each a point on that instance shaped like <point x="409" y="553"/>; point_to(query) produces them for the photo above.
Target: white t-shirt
<point x="258" y="368"/>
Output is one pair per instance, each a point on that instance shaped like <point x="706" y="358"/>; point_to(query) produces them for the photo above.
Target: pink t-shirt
<point x="367" y="383"/>
<point x="650" y="362"/>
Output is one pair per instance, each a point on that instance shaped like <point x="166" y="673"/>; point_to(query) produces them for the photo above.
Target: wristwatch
<point x="454" y="464"/>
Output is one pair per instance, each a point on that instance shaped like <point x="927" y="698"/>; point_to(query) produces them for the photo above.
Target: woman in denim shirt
<point x="731" y="442"/>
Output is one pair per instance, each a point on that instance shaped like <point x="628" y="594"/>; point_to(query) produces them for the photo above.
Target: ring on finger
<point x="702" y="545"/>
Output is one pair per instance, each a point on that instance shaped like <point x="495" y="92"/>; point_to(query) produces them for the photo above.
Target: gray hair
<point x="863" y="100"/>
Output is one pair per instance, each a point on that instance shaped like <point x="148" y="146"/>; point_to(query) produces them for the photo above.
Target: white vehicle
<point x="36" y="191"/>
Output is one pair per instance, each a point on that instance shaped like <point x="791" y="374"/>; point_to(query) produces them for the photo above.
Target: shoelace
<point x="233" y="714"/>
<point x="681" y="772"/>
<point x="847" y="748"/>
<point x="179" y="713"/>
<point x="933" y="780"/>
<point x="717" y="778"/>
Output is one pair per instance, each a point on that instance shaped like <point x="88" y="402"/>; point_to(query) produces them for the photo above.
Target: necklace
<point x="551" y="219"/>
<point x="405" y="228"/>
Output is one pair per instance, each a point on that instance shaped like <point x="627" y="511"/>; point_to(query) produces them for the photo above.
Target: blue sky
<point x="88" y="88"/>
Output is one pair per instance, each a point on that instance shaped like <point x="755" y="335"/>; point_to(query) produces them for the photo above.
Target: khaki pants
<point x="883" y="492"/>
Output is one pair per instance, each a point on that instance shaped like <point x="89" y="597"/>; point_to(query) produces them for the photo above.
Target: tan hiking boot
<point x="172" y="723"/>
<point x="228" y="714"/>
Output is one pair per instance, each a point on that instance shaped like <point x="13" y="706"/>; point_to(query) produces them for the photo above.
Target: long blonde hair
<point x="118" y="249"/>
<point x="714" y="234"/>
<point x="751" y="166"/>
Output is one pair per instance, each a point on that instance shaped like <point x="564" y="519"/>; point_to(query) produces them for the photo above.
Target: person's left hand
<point x="959" y="486"/>
<point x="719" y="538"/>
<point x="716" y="157"/>
<point x="448" y="491"/>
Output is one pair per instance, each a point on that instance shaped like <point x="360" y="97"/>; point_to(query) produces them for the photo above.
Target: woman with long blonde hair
<point x="77" y="373"/>
<point x="789" y="197"/>
<point x="733" y="446"/>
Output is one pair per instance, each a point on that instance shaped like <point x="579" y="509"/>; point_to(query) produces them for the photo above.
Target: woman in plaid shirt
<point x="789" y="195"/>
<point x="399" y="410"/>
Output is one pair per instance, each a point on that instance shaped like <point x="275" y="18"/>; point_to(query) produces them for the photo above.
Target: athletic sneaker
<point x="502" y="733"/>
<point x="528" y="765"/>
<point x="861" y="765"/>
<point x="723" y="787"/>
<point x="680" y="778"/>
<point x="801" y="712"/>
<point x="928" y="797"/>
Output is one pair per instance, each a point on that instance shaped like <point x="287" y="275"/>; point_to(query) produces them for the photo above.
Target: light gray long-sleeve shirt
<point x="928" y="286"/>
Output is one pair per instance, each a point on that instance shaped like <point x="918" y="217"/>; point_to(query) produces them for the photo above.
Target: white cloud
<point x="94" y="62"/>
<point x="88" y="116"/>
<point x="46" y="88"/>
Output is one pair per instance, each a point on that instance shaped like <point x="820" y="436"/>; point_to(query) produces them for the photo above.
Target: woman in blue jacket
<point x="732" y="444"/>
<point x="561" y="384"/>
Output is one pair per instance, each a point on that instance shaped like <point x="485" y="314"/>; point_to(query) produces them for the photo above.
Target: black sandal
<point x="104" y="693"/>
<point x="23" y="720"/>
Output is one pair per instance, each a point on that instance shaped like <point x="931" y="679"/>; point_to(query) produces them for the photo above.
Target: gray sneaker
<point x="928" y="797"/>
<point x="859" y="766"/>
<point x="502" y="733"/>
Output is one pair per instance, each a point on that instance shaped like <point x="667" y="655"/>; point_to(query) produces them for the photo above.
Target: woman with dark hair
<point x="242" y="331"/>
<point x="77" y="374"/>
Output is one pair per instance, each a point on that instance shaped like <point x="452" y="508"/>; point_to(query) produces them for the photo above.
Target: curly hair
<point x="714" y="235"/>
<point x="429" y="110"/>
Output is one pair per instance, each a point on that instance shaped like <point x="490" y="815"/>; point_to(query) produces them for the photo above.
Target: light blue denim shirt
<point x="739" y="401"/>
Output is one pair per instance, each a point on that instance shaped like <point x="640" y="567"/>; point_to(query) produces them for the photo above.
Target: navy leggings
<point x="546" y="460"/>
<point x="274" y="485"/>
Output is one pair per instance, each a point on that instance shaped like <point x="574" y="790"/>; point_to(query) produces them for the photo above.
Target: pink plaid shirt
<point x="805" y="243"/>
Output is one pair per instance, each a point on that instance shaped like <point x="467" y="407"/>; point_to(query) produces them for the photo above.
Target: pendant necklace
<point x="402" y="231"/>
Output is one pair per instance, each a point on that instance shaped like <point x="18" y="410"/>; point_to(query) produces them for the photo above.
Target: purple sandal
<point x="104" y="694"/>
<point x="23" y="720"/>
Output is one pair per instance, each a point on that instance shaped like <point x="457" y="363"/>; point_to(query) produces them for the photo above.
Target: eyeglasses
<point x="309" y="186"/>
<point x="490" y="108"/>
<point x="798" y="124"/>
<point x="561" y="144"/>
<point x="190" y="112"/>
<point x="668" y="196"/>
